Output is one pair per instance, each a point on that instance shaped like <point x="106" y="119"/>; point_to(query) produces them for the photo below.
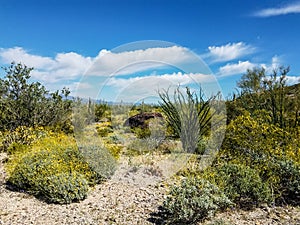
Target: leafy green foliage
<point x="268" y="93"/>
<point x="286" y="182"/>
<point x="192" y="201"/>
<point x="242" y="185"/>
<point x="102" y="110"/>
<point x="24" y="103"/>
<point x="104" y="129"/>
<point x="255" y="141"/>
<point x="52" y="169"/>
<point x="270" y="150"/>
<point x="114" y="149"/>
<point x="141" y="132"/>
<point x="253" y="81"/>
<point x="13" y="140"/>
<point x="63" y="188"/>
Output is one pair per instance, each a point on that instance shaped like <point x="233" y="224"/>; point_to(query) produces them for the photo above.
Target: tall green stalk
<point x="188" y="115"/>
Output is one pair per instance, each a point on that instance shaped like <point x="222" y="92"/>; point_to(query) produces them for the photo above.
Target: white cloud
<point x="284" y="10"/>
<point x="18" y="54"/>
<point x="80" y="85"/>
<point x="67" y="69"/>
<point x="229" y="51"/>
<point x="242" y="66"/>
<point x="276" y="62"/>
<point x="162" y="80"/>
<point x="64" y="66"/>
<point x="136" y="88"/>
<point x="108" y="63"/>
<point x="292" y="80"/>
<point x="235" y="68"/>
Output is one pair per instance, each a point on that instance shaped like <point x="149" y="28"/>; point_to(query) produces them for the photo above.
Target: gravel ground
<point x="124" y="199"/>
<point x="109" y="203"/>
<point x="260" y="216"/>
<point x="120" y="200"/>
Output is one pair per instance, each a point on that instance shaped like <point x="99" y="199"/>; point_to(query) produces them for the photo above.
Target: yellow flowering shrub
<point x="104" y="129"/>
<point x="114" y="149"/>
<point x="22" y="135"/>
<point x="53" y="169"/>
<point x="272" y="151"/>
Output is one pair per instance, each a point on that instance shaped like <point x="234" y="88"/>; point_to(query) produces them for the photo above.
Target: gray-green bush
<point x="243" y="185"/>
<point x="192" y="201"/>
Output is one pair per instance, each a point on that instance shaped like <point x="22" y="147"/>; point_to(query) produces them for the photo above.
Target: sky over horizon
<point x="100" y="49"/>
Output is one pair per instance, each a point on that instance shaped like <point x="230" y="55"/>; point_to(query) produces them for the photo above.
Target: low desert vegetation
<point x="59" y="147"/>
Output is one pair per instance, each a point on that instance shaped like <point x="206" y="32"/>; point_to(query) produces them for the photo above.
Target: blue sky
<point x="76" y="43"/>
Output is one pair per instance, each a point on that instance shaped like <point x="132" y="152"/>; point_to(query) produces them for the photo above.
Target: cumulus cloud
<point x="108" y="63"/>
<point x="242" y="66"/>
<point x="136" y="88"/>
<point x="63" y="66"/>
<point x="235" y="68"/>
<point x="162" y="81"/>
<point x="292" y="80"/>
<point x="229" y="51"/>
<point x="276" y="62"/>
<point x="18" y="54"/>
<point x="284" y="10"/>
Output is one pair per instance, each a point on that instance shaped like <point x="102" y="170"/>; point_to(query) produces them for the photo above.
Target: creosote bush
<point x="29" y="104"/>
<point x="192" y="201"/>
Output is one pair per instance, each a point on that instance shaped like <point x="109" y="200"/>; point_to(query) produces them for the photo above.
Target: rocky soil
<point x="124" y="199"/>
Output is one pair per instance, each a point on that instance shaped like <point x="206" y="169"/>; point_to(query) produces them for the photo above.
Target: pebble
<point x="121" y="200"/>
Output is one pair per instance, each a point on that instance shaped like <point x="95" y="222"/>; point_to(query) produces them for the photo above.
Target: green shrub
<point x="141" y="132"/>
<point x="102" y="110"/>
<point x="194" y="200"/>
<point x="250" y="141"/>
<point x="272" y="151"/>
<point x="100" y="160"/>
<point x="242" y="185"/>
<point x="114" y="149"/>
<point x="52" y="169"/>
<point x="27" y="103"/>
<point x="104" y="129"/>
<point x="12" y="140"/>
<point x="63" y="187"/>
<point x="285" y="181"/>
<point x="49" y="176"/>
